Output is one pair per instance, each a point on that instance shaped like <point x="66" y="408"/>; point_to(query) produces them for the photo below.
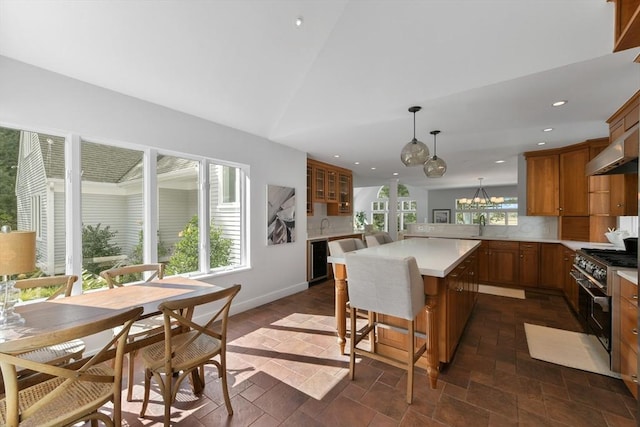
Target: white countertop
<point x="630" y="275"/>
<point x="435" y="257"/>
<point x="334" y="234"/>
<point x="571" y="244"/>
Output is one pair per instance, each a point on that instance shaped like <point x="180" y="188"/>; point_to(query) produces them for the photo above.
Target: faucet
<point x="483" y="222"/>
<point x="322" y="224"/>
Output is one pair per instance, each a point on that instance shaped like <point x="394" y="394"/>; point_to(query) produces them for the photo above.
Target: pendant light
<point x="415" y="153"/>
<point x="435" y="166"/>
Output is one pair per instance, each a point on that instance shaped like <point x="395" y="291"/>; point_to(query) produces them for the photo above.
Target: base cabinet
<point x="628" y="311"/>
<point x="569" y="284"/>
<point x="529" y="260"/>
<point x="457" y="295"/>
<point x="503" y="262"/>
<point x="551" y="263"/>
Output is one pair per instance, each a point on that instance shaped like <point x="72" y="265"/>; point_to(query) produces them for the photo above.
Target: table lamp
<point x="17" y="255"/>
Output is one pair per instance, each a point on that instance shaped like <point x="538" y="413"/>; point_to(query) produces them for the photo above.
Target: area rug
<point x="501" y="292"/>
<point x="567" y="348"/>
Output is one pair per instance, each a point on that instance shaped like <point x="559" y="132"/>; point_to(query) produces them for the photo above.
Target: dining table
<point x="46" y="317"/>
<point x="436" y="259"/>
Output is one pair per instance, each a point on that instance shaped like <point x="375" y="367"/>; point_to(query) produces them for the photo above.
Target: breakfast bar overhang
<point x="449" y="272"/>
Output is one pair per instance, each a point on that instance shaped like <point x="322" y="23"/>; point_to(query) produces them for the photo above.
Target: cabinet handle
<point x="619" y="205"/>
<point x="634" y="296"/>
<point x="560" y="209"/>
<point x="634" y="378"/>
<point x="634" y="331"/>
<point x="471" y="273"/>
<point x="521" y="256"/>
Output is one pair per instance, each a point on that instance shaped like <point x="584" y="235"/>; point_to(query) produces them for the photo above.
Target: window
<point x="36" y="215"/>
<point x="505" y="213"/>
<point x="229" y="186"/>
<point x="407" y="209"/>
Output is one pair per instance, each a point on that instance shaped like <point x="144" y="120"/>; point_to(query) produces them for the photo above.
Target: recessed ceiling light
<point x="299" y="21"/>
<point x="559" y="103"/>
<point x="336" y="155"/>
<point x="547" y="130"/>
<point x="373" y="168"/>
<point x="499" y="161"/>
<point x="541" y="143"/>
<point x="395" y="174"/>
<point x="356" y="163"/>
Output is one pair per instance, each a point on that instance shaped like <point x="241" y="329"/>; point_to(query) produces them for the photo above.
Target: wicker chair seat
<point x="202" y="349"/>
<point x="56" y="354"/>
<point x="80" y="397"/>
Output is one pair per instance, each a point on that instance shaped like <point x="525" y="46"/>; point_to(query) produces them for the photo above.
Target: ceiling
<point x="485" y="72"/>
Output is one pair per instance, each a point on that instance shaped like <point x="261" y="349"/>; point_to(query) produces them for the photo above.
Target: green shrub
<point x="185" y="255"/>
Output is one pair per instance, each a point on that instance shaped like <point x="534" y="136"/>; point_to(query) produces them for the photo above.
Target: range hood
<point x="619" y="157"/>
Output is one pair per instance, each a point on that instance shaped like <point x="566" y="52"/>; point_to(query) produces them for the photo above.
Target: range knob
<point x="600" y="274"/>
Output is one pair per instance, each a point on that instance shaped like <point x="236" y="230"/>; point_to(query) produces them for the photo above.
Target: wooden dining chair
<point x="51" y="287"/>
<point x="72" y="393"/>
<point x="145" y="327"/>
<point x="186" y="353"/>
<point x="385" y="286"/>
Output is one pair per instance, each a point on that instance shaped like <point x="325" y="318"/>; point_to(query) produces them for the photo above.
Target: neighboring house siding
<point x="60" y="233"/>
<point x="30" y="182"/>
<point x="226" y="216"/>
<point x="177" y="208"/>
<point x="107" y="211"/>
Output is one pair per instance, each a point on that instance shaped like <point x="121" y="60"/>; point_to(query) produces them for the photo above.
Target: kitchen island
<point x="448" y="268"/>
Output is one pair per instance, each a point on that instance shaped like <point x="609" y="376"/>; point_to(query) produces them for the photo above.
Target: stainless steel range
<point x="593" y="270"/>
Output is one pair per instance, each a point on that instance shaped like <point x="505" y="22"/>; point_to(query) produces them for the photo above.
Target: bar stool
<point x="377" y="239"/>
<point x="389" y="286"/>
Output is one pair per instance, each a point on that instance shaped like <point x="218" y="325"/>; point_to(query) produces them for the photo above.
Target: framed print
<point x="441" y="216"/>
<point x="281" y="215"/>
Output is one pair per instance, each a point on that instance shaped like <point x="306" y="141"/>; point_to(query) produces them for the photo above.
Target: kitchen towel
<point x="568" y="348"/>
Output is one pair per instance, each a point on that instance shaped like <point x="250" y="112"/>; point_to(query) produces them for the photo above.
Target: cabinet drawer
<point x="529" y="246"/>
<point x="629" y="368"/>
<point x="628" y="322"/>
<point x="629" y="291"/>
<point x="501" y="244"/>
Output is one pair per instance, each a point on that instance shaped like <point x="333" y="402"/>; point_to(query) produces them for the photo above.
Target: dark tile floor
<point x="285" y="370"/>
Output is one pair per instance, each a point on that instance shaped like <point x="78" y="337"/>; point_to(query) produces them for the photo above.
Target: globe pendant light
<point x="435" y="166"/>
<point x="415" y="153"/>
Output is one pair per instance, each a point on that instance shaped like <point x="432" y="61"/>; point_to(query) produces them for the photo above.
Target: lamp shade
<point x="17" y="252"/>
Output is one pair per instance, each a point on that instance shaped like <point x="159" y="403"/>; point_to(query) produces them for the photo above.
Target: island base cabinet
<point x="455" y="299"/>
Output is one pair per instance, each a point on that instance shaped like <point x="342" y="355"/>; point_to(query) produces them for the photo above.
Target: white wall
<point x="38" y="100"/>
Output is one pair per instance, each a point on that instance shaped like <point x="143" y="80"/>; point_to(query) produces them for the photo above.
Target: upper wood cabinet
<point x="543" y="184"/>
<point x="556" y="182"/>
<point x="626" y="26"/>
<point x="624" y="188"/>
<point x="331" y="185"/>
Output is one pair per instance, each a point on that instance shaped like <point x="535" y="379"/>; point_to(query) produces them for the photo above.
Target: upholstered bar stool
<point x="389" y="286"/>
<point x="342" y="246"/>
<point x="377" y="239"/>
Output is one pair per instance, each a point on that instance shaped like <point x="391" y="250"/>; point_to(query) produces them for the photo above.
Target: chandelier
<point x="414" y="153"/>
<point x="435" y="167"/>
<point x="481" y="198"/>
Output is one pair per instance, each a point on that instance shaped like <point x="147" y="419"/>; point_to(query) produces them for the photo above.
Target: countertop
<point x="435" y="257"/>
<point x="333" y="235"/>
<point x="571" y="244"/>
<point x="630" y="275"/>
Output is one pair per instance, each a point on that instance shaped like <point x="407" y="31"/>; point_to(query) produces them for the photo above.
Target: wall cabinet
<point x="331" y="185"/>
<point x="556" y="182"/>
<point x="623" y="189"/>
<point x="557" y="186"/>
<point x="529" y="260"/>
<point x="628" y="308"/>
<point x="626" y="25"/>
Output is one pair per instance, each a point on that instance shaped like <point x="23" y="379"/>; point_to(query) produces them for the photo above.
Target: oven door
<point x="596" y="306"/>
